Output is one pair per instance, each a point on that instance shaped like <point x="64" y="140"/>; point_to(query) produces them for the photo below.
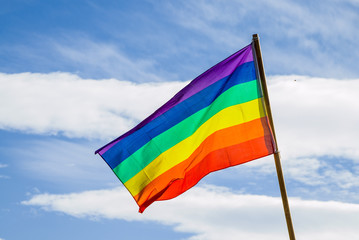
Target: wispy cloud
<point x="3" y="165"/>
<point x="220" y="213"/>
<point x="3" y="176"/>
<point x="319" y="178"/>
<point x="106" y="59"/>
<point x="298" y="38"/>
<point x="61" y="162"/>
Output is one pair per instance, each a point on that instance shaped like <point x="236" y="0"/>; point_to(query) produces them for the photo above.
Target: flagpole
<point x="283" y="191"/>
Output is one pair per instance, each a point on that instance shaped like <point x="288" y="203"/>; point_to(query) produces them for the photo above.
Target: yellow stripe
<point x="228" y="117"/>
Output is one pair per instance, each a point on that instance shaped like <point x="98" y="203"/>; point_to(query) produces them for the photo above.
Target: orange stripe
<point x="247" y="140"/>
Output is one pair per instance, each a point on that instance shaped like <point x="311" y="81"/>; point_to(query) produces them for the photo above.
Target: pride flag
<point x="218" y="120"/>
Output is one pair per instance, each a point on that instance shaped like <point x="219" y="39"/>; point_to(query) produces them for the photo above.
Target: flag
<point x="217" y="121"/>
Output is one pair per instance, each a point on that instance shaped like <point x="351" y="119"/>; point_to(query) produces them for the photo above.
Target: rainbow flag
<point x="218" y="120"/>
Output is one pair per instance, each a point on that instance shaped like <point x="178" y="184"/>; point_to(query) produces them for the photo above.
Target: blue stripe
<point x="127" y="146"/>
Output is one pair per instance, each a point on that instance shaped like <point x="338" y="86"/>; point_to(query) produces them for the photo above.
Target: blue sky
<point x="76" y="74"/>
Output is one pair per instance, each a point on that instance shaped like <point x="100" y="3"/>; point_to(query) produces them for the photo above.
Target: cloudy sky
<point x="76" y="74"/>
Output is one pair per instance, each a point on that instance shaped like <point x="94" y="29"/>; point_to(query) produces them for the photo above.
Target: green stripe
<point x="142" y="157"/>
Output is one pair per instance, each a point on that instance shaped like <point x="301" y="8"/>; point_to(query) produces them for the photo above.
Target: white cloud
<point x="313" y="116"/>
<point x="64" y="103"/>
<point x="211" y="212"/>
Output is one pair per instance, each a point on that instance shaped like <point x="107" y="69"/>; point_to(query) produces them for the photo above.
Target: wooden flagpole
<point x="283" y="191"/>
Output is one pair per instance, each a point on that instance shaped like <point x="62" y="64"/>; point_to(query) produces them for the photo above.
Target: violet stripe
<point x="212" y="75"/>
